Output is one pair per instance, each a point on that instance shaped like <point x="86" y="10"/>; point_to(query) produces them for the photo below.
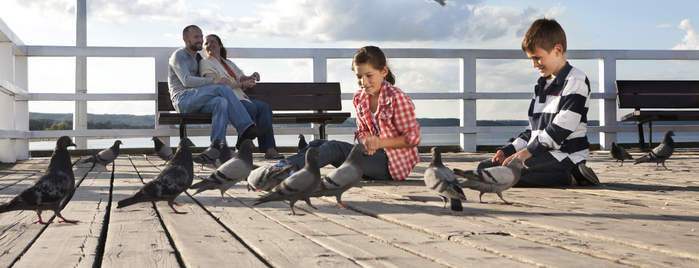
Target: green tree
<point x="65" y="125"/>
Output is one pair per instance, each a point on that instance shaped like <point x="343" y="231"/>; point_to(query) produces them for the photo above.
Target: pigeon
<point x="619" y="153"/>
<point x="174" y="179"/>
<point x="441" y="180"/>
<point x="440" y="2"/>
<point x="302" y="142"/>
<point x="47" y="193"/>
<point x="265" y="178"/>
<point x="493" y="179"/>
<point x="209" y="155"/>
<point x="163" y="151"/>
<point x="299" y="186"/>
<point x="226" y="153"/>
<point x="106" y="156"/>
<point x="344" y="177"/>
<point x="230" y="173"/>
<point x="660" y="153"/>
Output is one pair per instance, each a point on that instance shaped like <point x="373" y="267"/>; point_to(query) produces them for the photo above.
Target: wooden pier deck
<point x="639" y="218"/>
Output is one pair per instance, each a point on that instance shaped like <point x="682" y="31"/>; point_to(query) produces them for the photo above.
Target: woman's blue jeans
<point x="262" y="114"/>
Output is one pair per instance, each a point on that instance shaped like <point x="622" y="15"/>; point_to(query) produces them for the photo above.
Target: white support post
<point x="22" y="106"/>
<point x="468" y="107"/>
<point x="320" y="74"/>
<point x="80" y="114"/>
<point x="161" y="66"/>
<point x="607" y="108"/>
<point x="7" y="103"/>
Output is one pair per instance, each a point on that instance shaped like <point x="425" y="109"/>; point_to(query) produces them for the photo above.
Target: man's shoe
<point x="254" y="131"/>
<point x="584" y="175"/>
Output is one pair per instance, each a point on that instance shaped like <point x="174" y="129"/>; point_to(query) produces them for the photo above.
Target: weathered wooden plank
<point x="74" y="245"/>
<point x="135" y="236"/>
<point x="365" y="249"/>
<point x="487" y="239"/>
<point x="22" y="171"/>
<point x="200" y="239"/>
<point x="278" y="245"/>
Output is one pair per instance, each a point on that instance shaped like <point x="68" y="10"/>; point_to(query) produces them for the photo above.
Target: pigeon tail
<point x="456" y="204"/>
<point x="137" y="198"/>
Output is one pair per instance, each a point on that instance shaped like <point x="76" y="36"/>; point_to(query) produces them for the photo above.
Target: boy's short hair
<point x="544" y="33"/>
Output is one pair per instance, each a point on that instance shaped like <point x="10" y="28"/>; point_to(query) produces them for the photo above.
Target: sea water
<point x="427" y="140"/>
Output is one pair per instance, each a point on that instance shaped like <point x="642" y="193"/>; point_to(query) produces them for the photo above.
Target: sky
<point x="467" y="24"/>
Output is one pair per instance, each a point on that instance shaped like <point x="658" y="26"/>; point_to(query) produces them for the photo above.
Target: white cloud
<point x="691" y="39"/>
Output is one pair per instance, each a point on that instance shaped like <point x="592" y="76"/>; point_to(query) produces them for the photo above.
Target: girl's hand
<point x="372" y="144"/>
<point x="255" y="76"/>
<point x="248" y="84"/>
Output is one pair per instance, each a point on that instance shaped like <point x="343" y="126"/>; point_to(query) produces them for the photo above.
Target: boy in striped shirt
<point x="554" y="146"/>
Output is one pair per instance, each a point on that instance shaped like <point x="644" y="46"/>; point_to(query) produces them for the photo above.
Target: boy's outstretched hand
<point x="523" y="154"/>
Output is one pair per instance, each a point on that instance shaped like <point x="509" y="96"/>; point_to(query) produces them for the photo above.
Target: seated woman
<point x="217" y="65"/>
<point x="385" y="124"/>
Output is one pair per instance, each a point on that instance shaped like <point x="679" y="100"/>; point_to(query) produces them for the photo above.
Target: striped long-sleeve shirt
<point x="557" y="118"/>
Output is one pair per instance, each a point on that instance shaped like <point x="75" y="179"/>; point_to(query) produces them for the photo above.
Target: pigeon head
<point x="117" y="143"/>
<point x="224" y="144"/>
<point x="216" y="143"/>
<point x="185" y="143"/>
<point x="436" y="155"/>
<point x="64" y="142"/>
<point x="669" y="134"/>
<point x="613" y="144"/>
<point x="359" y="148"/>
<point x="312" y="152"/>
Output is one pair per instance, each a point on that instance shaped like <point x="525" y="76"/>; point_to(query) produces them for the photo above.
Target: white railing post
<point x="320" y="74"/>
<point x="607" y="107"/>
<point x="80" y="113"/>
<point x="467" y="81"/>
<point x="21" y="106"/>
<point x="161" y="69"/>
<point x="7" y="103"/>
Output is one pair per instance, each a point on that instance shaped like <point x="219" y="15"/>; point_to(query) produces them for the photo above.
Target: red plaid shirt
<point x="395" y="116"/>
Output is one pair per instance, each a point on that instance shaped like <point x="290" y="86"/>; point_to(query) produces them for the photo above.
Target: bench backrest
<point x="639" y="94"/>
<point x="280" y="96"/>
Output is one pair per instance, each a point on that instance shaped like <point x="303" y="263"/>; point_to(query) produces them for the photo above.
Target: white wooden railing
<point x="14" y="96"/>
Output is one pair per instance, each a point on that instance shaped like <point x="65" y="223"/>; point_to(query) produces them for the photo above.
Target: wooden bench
<point x="316" y="99"/>
<point x="660" y="101"/>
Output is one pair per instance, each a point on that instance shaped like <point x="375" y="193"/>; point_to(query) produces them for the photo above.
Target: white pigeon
<point x="660" y="153"/>
<point x="266" y="177"/>
<point x="344" y="177"/>
<point x="230" y="173"/>
<point x="493" y="179"/>
<point x="226" y="153"/>
<point x="105" y="156"/>
<point x="441" y="180"/>
<point x="209" y="155"/>
<point x="47" y="193"/>
<point x="163" y="151"/>
<point x="619" y="153"/>
<point x="299" y="186"/>
<point x="174" y="179"/>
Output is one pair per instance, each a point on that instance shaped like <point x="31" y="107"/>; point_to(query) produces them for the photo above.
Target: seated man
<point x="193" y="94"/>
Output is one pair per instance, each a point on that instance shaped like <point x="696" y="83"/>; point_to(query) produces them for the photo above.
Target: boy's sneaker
<point x="584" y="175"/>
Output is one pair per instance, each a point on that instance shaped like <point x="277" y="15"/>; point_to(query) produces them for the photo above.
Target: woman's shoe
<point x="274" y="156"/>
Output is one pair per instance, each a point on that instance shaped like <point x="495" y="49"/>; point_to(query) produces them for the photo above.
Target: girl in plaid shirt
<point x="385" y="124"/>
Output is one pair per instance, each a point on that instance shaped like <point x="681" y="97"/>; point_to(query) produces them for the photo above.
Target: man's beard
<point x="194" y="47"/>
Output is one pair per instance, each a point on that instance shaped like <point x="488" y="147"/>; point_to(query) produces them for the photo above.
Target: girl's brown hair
<point x="374" y="56"/>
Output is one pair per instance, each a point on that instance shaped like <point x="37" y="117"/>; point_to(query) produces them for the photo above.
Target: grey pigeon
<point x="302" y="142"/>
<point x="660" y="153"/>
<point x="230" y="173"/>
<point x="163" y="151"/>
<point x="174" y="179"/>
<point x="105" y="156"/>
<point x="344" y="177"/>
<point x="47" y="193"/>
<point x="209" y="155"/>
<point x="299" y="186"/>
<point x="440" y="2"/>
<point x="619" y="153"/>
<point x="493" y="179"/>
<point x="265" y="178"/>
<point x="441" y="180"/>
<point x="226" y="153"/>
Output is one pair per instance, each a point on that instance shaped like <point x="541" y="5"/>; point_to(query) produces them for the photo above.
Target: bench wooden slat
<point x="307" y="97"/>
<point x="657" y="86"/>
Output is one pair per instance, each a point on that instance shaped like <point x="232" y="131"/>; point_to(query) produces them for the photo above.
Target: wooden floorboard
<point x="638" y="217"/>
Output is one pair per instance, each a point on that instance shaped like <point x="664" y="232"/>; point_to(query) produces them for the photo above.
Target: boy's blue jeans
<point x="262" y="115"/>
<point x="335" y="152"/>
<point x="221" y="102"/>
<point x="544" y="171"/>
